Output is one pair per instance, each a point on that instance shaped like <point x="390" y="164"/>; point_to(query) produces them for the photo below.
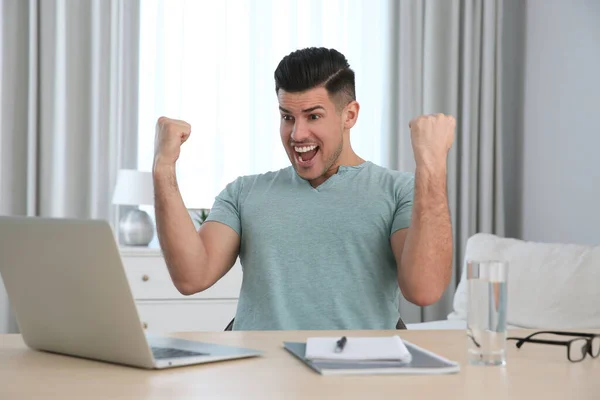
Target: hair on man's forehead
<point x="312" y="99"/>
<point x="311" y="68"/>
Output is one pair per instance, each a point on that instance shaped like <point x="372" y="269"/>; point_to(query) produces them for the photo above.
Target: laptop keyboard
<point x="167" y="352"/>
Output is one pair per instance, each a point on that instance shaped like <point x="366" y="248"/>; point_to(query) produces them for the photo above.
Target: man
<point x="327" y="242"/>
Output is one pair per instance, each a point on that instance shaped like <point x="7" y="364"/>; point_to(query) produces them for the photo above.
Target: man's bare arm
<point x="423" y="252"/>
<point x="196" y="260"/>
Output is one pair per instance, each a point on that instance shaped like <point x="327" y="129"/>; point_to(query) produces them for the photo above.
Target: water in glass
<point x="486" y="318"/>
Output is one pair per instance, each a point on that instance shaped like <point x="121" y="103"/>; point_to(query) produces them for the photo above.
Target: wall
<point x="560" y="193"/>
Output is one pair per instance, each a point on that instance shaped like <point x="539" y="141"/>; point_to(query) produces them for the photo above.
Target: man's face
<point x="312" y="132"/>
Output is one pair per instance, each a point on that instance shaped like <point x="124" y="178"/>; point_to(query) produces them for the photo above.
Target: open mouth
<point x="305" y="154"/>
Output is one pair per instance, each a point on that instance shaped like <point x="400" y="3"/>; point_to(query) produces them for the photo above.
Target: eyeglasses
<point x="577" y="348"/>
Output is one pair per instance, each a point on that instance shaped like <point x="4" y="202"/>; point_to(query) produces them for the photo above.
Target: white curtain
<point x="68" y="115"/>
<point x="447" y="57"/>
<point x="69" y="91"/>
<point x="212" y="64"/>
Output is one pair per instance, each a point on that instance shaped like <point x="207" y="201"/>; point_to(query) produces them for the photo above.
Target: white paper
<point x="390" y="348"/>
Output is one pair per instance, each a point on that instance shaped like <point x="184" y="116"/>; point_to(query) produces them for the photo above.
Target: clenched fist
<point x="432" y="137"/>
<point x="170" y="135"/>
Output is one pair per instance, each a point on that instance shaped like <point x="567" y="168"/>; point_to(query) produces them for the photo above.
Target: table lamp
<point x="135" y="188"/>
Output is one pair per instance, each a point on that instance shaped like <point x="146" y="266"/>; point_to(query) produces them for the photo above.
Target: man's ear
<point x="350" y="114"/>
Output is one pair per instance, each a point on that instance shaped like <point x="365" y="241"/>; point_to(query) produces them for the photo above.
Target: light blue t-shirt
<point x="317" y="258"/>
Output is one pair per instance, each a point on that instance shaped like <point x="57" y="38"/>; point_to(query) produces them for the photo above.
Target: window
<point x="211" y="64"/>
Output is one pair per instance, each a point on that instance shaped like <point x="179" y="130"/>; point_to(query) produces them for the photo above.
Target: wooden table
<point x="533" y="372"/>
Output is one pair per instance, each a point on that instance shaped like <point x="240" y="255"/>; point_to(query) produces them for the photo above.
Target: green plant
<point x="200" y="216"/>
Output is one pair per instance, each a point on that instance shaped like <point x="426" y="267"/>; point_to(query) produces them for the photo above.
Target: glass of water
<point x="486" y="313"/>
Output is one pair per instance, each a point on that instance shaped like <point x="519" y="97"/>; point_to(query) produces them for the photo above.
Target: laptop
<point x="68" y="290"/>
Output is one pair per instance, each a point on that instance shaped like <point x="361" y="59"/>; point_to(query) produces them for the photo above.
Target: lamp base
<point x="136" y="228"/>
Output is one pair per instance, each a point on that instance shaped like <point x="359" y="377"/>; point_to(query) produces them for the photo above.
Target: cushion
<point x="549" y="285"/>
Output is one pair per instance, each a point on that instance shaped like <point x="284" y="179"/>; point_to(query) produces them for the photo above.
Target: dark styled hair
<point x="317" y="67"/>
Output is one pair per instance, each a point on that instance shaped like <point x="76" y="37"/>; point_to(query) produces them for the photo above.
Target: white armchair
<point x="550" y="286"/>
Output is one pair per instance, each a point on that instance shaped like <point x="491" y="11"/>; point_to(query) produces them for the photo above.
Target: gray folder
<point x="423" y="362"/>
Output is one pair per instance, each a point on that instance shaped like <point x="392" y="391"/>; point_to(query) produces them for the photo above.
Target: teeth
<point x="304" y="149"/>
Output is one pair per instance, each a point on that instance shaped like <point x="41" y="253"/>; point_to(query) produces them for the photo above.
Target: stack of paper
<point x="369" y="355"/>
<point x="358" y="349"/>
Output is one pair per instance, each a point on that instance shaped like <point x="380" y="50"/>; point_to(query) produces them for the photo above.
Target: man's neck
<point x="350" y="160"/>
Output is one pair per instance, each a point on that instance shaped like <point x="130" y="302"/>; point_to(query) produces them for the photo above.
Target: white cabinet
<point x="163" y="309"/>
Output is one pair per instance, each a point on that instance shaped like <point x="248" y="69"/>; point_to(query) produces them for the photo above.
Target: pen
<point x="340" y="344"/>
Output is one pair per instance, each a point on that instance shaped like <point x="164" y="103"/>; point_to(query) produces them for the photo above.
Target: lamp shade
<point x="134" y="188"/>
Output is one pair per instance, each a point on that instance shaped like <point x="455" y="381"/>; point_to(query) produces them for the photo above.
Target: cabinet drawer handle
<point x="145" y="278"/>
<point x="145" y="325"/>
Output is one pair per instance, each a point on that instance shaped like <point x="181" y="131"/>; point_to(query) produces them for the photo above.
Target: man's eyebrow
<point x="311" y="109"/>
